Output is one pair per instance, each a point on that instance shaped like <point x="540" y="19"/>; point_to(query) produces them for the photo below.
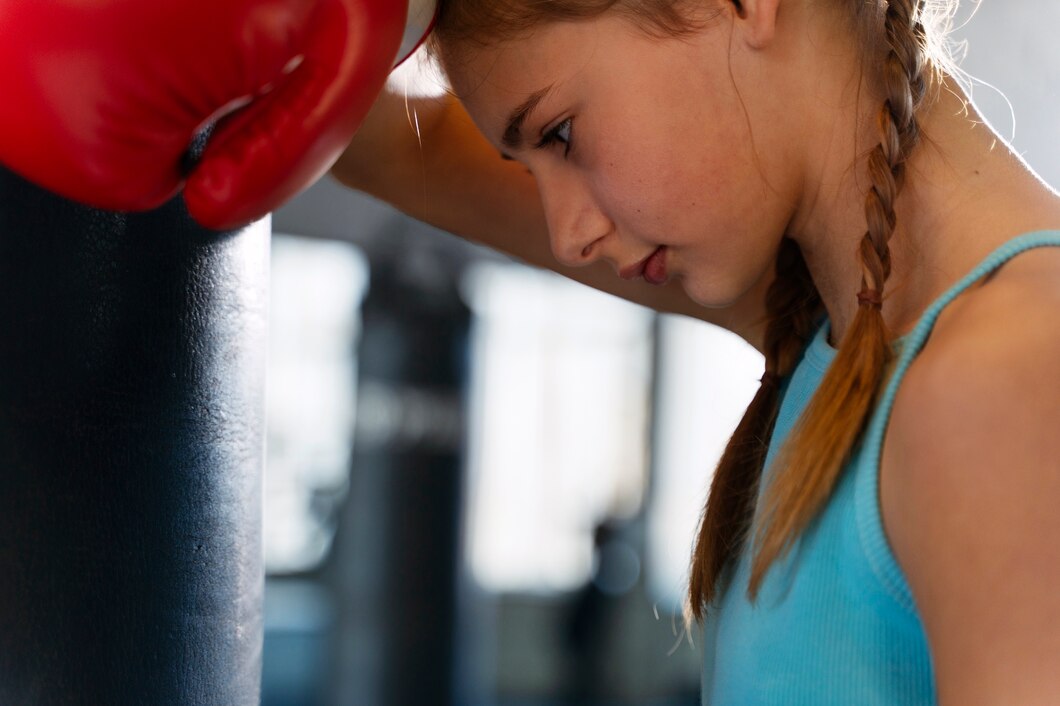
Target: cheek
<point x="673" y="194"/>
<point x="639" y="179"/>
<point x="681" y="180"/>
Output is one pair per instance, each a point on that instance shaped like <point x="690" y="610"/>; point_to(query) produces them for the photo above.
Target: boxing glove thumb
<point x="285" y="139"/>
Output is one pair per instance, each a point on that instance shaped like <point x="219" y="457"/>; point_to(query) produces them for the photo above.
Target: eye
<point x="561" y="134"/>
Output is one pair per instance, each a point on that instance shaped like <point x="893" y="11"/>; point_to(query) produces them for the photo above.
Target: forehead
<point x="491" y="81"/>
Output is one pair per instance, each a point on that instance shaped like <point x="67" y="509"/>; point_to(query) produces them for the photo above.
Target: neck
<point x="965" y="193"/>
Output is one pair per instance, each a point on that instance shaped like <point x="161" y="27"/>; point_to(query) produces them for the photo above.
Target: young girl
<point x="883" y="527"/>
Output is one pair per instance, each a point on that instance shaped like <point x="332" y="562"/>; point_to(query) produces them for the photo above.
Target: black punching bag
<point x="131" y="449"/>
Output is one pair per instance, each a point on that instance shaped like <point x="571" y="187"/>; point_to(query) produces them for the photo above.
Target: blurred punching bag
<point x="395" y="559"/>
<point x="131" y="449"/>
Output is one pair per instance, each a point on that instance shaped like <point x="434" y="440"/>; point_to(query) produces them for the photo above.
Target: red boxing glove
<point x="101" y="99"/>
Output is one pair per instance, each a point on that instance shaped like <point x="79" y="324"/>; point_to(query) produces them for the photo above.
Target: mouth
<point x="652" y="268"/>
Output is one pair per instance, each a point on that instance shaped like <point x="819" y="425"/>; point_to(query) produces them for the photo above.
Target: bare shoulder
<point x="970" y="487"/>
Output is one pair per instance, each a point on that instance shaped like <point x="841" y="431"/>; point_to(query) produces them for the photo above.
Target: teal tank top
<point x="835" y="621"/>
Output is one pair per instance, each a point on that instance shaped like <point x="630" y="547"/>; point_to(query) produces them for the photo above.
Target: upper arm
<point x="971" y="504"/>
<point x="450" y="176"/>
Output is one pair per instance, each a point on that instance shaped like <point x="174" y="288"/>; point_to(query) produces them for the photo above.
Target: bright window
<point x="314" y="319"/>
<point x="707" y="377"/>
<point x="559" y="424"/>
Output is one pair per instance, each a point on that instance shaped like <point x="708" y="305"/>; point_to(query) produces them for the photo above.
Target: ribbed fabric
<point x="835" y="621"/>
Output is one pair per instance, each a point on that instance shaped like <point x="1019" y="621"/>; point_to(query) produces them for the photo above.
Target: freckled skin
<point x="719" y="144"/>
<point x="648" y="144"/>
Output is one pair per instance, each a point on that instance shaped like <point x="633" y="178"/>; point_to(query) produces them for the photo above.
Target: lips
<point x="655" y="267"/>
<point x="652" y="268"/>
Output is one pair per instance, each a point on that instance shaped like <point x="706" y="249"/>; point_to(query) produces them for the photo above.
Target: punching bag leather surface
<point x="131" y="448"/>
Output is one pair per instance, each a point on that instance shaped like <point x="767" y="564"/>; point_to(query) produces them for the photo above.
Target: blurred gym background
<point x="483" y="479"/>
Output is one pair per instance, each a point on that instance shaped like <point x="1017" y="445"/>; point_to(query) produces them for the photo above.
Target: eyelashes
<point x="561" y="134"/>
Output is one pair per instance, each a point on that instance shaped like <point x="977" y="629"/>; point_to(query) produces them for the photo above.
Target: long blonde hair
<point x="895" y="33"/>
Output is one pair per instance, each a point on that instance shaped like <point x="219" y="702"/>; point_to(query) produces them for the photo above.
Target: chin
<point x="712" y="295"/>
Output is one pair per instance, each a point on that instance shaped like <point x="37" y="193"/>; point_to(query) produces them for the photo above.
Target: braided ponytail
<point x="792" y="304"/>
<point x="814" y="455"/>
<point x="836" y="416"/>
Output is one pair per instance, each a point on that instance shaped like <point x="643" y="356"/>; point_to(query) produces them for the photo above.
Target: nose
<point x="576" y="222"/>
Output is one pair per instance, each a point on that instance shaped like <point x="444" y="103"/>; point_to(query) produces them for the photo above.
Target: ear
<point x="758" y="20"/>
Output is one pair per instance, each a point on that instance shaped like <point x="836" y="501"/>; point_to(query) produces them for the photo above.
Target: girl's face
<point x="638" y="143"/>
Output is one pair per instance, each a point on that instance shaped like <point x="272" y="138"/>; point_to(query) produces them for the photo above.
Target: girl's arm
<point x="449" y="175"/>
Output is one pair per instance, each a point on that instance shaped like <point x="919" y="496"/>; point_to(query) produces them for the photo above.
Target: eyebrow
<point x="513" y="136"/>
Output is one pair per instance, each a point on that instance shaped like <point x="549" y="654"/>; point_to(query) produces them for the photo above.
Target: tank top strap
<point x="867" y="458"/>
